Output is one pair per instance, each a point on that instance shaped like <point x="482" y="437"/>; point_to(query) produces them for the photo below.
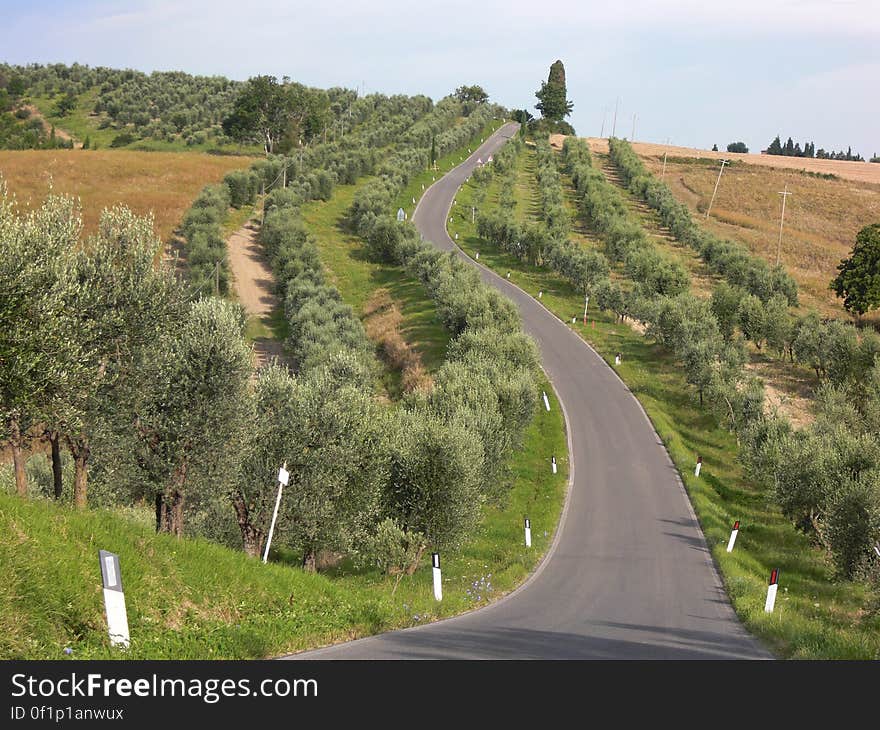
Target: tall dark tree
<point x="775" y="147"/>
<point x="552" y="102"/>
<point x="859" y="279"/>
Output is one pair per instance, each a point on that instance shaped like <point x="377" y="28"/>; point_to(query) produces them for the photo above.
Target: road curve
<point x="629" y="575"/>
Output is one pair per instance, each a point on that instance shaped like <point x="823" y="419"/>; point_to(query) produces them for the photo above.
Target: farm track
<point x="254" y="285"/>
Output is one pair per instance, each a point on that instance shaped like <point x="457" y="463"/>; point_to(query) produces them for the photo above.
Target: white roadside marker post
<point x="617" y="359"/>
<point x="733" y="533"/>
<point x="114" y="599"/>
<point x="771" y="591"/>
<point x="546" y="400"/>
<point x="477" y="257"/>
<point x="540" y="294"/>
<point x="553" y="463"/>
<point x="414" y="199"/>
<point x="438" y="583"/>
<point x="508" y="274"/>
<point x="283" y="479"/>
<point x="456" y="236"/>
<point x="877" y="549"/>
<point x="699" y="466"/>
<point x="528" y="533"/>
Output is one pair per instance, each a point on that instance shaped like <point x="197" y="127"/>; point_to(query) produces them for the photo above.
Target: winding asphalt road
<point x="629" y="575"/>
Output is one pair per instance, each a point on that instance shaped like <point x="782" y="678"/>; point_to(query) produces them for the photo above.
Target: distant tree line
<point x="794" y="149"/>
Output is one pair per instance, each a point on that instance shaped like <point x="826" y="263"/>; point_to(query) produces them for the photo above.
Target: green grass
<point x="815" y="616"/>
<point x="78" y="124"/>
<point x="193" y="599"/>
<point x="358" y="278"/>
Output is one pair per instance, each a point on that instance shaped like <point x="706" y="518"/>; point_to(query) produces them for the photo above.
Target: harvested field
<point x="163" y="183"/>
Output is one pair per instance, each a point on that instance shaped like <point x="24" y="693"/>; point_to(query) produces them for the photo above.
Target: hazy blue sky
<point x="696" y="71"/>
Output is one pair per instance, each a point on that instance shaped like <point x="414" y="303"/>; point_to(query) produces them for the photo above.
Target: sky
<point x="693" y="72"/>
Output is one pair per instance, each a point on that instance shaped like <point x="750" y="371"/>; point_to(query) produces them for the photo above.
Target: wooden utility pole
<point x="723" y="163"/>
<point x="784" y="193"/>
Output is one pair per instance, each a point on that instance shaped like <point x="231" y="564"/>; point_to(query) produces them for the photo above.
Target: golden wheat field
<point x="164" y="183"/>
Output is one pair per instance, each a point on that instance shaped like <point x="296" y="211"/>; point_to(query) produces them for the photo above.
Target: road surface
<point x="629" y="575"/>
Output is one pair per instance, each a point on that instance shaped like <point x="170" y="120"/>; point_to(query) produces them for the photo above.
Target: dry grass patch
<point x="164" y="183"/>
<point x="382" y="321"/>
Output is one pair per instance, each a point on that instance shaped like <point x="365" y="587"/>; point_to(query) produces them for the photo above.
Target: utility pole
<point x="604" y="116"/>
<point x="723" y="163"/>
<point x="784" y="193"/>
<point x="665" y="152"/>
<point x="614" y="126"/>
<point x="633" y="137"/>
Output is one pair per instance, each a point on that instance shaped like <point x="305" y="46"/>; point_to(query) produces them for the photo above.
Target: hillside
<point x="822" y="216"/>
<point x="195" y="599"/>
<point x="162" y="183"/>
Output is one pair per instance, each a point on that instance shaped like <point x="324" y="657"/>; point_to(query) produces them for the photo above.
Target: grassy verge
<point x="815" y="617"/>
<point x="193" y="599"/>
<point x="358" y="278"/>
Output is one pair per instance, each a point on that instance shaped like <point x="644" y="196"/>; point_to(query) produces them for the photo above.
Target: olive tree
<point x="197" y="406"/>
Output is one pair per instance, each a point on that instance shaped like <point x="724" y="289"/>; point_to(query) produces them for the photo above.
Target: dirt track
<point x="255" y="286"/>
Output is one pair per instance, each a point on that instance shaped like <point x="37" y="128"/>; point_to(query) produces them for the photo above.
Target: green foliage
<point x="791" y="149"/>
<point x="394" y="550"/>
<point x="852" y="524"/>
<point x="277" y="115"/>
<point x="552" y="102"/>
<point x="739" y="147"/>
<point x="194" y="406"/>
<point x="434" y="486"/>
<point x="752" y="321"/>
<point x="858" y="282"/>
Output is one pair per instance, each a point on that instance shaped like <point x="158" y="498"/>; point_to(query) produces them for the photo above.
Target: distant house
<point x="763" y="152"/>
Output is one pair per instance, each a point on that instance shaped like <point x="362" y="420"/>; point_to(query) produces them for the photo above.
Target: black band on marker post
<point x="435" y="559"/>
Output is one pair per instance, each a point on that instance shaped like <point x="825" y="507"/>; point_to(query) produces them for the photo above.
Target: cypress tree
<point x="552" y="102"/>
